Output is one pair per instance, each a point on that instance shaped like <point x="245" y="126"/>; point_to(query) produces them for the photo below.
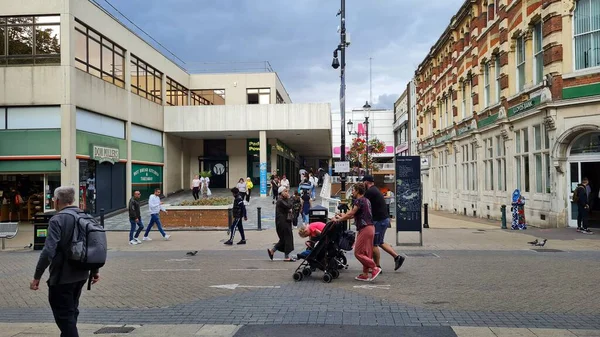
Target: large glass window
<point x="28" y="40"/>
<point x="538" y="54"/>
<point x="587" y="34"/>
<point x="209" y="97"/>
<point x="498" y="77"/>
<point x="522" y="160"/>
<point x="486" y="84"/>
<point x="98" y="55"/>
<point x="463" y="107"/>
<point x="520" y="61"/>
<point x="259" y="96"/>
<point x="501" y="163"/>
<point x="541" y="156"/>
<point x="489" y="164"/>
<point x="146" y="81"/>
<point x="177" y="94"/>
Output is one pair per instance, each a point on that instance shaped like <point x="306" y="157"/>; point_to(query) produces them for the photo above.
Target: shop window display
<point x="21" y="195"/>
<point x="87" y="186"/>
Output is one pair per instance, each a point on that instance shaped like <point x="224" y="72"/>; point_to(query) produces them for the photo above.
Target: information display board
<point x="408" y="194"/>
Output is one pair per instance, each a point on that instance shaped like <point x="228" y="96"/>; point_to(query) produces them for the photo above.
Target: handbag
<point x="290" y="216"/>
<point x="347" y="239"/>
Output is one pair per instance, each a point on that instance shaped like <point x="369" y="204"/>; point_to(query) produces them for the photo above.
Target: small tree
<point x="358" y="152"/>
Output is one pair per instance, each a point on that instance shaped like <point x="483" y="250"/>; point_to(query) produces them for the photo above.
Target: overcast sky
<point x="298" y="38"/>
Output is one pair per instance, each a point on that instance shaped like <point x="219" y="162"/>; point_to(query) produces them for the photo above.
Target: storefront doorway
<point x="584" y="162"/>
<point x="219" y="169"/>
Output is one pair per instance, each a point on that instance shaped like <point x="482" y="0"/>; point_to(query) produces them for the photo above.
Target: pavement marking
<point x="178" y="260"/>
<point x="152" y="270"/>
<point x="386" y="287"/>
<point x="244" y="269"/>
<point x="233" y="286"/>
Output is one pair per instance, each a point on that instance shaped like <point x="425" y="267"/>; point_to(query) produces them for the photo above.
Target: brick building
<point x="509" y="98"/>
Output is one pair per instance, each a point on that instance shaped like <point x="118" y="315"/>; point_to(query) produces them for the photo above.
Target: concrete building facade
<point x="509" y="98"/>
<point x="86" y="102"/>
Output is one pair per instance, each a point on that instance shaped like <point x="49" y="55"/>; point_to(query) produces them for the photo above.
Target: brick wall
<point x="194" y="218"/>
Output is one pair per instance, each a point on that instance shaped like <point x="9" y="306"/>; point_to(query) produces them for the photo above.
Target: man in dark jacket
<point x="65" y="282"/>
<point x="135" y="219"/>
<point x="583" y="207"/>
<point x="238" y="212"/>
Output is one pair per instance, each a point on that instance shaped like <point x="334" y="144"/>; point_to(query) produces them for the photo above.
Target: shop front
<point x="253" y="146"/>
<point x="146" y="178"/>
<point x="22" y="195"/>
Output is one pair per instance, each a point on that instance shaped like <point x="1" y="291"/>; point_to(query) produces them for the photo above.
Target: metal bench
<point x="8" y="230"/>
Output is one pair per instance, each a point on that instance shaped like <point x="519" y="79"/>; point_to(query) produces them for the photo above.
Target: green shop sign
<point x="104" y="154"/>
<point x="527" y="105"/>
<point x="146" y="174"/>
<point x="487" y="121"/>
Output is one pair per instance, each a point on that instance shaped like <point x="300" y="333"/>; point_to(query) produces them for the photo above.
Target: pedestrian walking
<point x="249" y="187"/>
<point x="305" y="206"/>
<point x="242" y="188"/>
<point x="238" y="212"/>
<point x="283" y="225"/>
<point x="296" y="208"/>
<point x="135" y="219"/>
<point x="275" y="184"/>
<point x="65" y="281"/>
<point x="313" y="188"/>
<point x="196" y="182"/>
<point x="363" y="220"/>
<point x="381" y="220"/>
<point x="156" y="207"/>
<point x="285" y="182"/>
<point x="580" y="196"/>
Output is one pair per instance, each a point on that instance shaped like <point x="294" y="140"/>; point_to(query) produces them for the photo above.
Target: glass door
<point x="574" y="179"/>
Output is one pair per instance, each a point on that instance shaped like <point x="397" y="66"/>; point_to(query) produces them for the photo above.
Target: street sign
<point x="408" y="195"/>
<point x="342" y="166"/>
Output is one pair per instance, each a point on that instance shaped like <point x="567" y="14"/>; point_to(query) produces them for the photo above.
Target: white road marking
<point x="234" y="286"/>
<point x="178" y="260"/>
<point x="152" y="270"/>
<point x="244" y="269"/>
<point x="385" y="287"/>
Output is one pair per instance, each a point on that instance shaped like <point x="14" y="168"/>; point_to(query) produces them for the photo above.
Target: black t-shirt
<point x="378" y="205"/>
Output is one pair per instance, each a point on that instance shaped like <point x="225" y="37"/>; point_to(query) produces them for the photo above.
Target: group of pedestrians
<point x="135" y="217"/>
<point x="245" y="187"/>
<point x="200" y="185"/>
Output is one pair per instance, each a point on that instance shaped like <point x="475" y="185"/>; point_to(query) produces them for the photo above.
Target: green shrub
<point x="207" y="202"/>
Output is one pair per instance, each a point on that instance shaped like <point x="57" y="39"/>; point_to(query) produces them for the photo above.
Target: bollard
<point x="102" y="217"/>
<point x="258" y="211"/>
<point x="503" y="211"/>
<point x="426" y="222"/>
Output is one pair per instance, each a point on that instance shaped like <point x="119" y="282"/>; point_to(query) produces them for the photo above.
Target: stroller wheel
<point x="327" y="278"/>
<point x="342" y="259"/>
<point x="298" y="276"/>
<point x="335" y="273"/>
<point x="306" y="272"/>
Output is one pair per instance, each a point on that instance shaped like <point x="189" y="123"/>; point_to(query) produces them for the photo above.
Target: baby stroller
<point x="328" y="253"/>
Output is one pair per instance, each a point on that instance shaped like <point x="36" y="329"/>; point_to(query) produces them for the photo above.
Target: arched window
<point x="586" y="144"/>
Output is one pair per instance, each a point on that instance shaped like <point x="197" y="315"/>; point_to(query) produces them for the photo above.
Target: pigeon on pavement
<point x="192" y="253"/>
<point x="541" y="244"/>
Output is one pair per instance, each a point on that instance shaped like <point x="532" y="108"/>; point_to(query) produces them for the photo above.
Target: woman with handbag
<point x="283" y="225"/>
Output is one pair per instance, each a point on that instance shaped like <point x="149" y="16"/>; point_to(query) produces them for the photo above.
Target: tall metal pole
<point x="367" y="157"/>
<point x="343" y="91"/>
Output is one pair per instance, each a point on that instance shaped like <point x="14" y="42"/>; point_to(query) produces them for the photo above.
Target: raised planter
<point x="195" y="216"/>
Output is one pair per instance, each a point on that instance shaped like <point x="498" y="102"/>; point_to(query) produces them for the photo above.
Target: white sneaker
<point x="146" y="238"/>
<point x="167" y="237"/>
<point x="138" y="240"/>
<point x="133" y="242"/>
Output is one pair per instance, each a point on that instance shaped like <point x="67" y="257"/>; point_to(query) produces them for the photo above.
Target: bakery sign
<point x="105" y="154"/>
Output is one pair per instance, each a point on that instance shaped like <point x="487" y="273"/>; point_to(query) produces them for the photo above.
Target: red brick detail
<point x="454" y="111"/>
<point x="504" y="82"/>
<point x="557" y="86"/>
<point x="581" y="80"/>
<point x="532" y="7"/>
<point x="421" y="133"/>
<point x="421" y="119"/>
<point x="491" y="11"/>
<point x="475" y="80"/>
<point x="503" y="35"/>
<point x="553" y="54"/>
<point x="551" y="25"/>
<point x="195" y="218"/>
<point x="503" y="59"/>
<point x="475" y="98"/>
<point x="433" y="123"/>
<point x="454" y="95"/>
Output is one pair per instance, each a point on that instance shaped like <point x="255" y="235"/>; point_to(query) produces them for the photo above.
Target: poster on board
<point x="408" y="194"/>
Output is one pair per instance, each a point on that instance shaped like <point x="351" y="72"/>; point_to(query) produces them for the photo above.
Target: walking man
<point x="238" y="212"/>
<point x="583" y="207"/>
<point x="381" y="218"/>
<point x="135" y="219"/>
<point x="65" y="282"/>
<point x="156" y="207"/>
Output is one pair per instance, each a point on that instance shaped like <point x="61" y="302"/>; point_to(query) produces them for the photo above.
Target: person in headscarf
<point x="283" y="225"/>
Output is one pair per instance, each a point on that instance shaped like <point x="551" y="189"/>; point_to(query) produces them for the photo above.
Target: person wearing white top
<point x="313" y="190"/>
<point x="196" y="187"/>
<point x="285" y="182"/>
<point x="205" y="187"/>
<point x="241" y="186"/>
<point x="155" y="206"/>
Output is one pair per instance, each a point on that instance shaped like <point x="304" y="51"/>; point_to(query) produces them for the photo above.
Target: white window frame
<point x="486" y="84"/>
<point x="594" y="63"/>
<point x="541" y="153"/>
<point x="464" y="100"/>
<point x="498" y="77"/>
<point x="489" y="163"/>
<point x="500" y="157"/>
<point x="520" y="62"/>
<point x="447" y="112"/>
<point x="523" y="160"/>
<point x="538" y="53"/>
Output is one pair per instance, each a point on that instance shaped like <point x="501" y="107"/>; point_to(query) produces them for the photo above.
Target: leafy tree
<point x="20" y="38"/>
<point x="357" y="155"/>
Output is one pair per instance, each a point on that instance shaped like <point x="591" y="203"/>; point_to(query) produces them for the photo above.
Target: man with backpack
<point x="75" y="249"/>
<point x="581" y="198"/>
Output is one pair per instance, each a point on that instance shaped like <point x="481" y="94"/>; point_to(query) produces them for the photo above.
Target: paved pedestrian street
<point x="458" y="284"/>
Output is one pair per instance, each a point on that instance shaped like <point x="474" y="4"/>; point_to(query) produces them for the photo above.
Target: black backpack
<point x="88" y="247"/>
<point x="347" y="240"/>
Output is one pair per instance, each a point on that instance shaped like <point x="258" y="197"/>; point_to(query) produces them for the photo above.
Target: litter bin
<point x="40" y="229"/>
<point x="318" y="214"/>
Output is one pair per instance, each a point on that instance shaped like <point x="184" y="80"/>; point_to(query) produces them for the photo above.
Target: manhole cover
<point x="252" y="268"/>
<point x="114" y="329"/>
<point x="422" y="255"/>
<point x="549" y="250"/>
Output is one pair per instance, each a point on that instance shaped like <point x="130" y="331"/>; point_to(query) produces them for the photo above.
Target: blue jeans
<point x="380" y="228"/>
<point x="313" y="192"/>
<point x="305" y="217"/>
<point x="155" y="219"/>
<point x="140" y="227"/>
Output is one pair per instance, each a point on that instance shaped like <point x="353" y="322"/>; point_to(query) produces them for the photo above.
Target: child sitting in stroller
<point x="312" y="230"/>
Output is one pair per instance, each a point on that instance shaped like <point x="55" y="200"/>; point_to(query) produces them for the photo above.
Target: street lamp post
<point x="367" y="107"/>
<point x="337" y="64"/>
<point x="358" y="134"/>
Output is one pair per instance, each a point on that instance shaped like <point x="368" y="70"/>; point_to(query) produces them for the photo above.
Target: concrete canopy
<point x="305" y="128"/>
